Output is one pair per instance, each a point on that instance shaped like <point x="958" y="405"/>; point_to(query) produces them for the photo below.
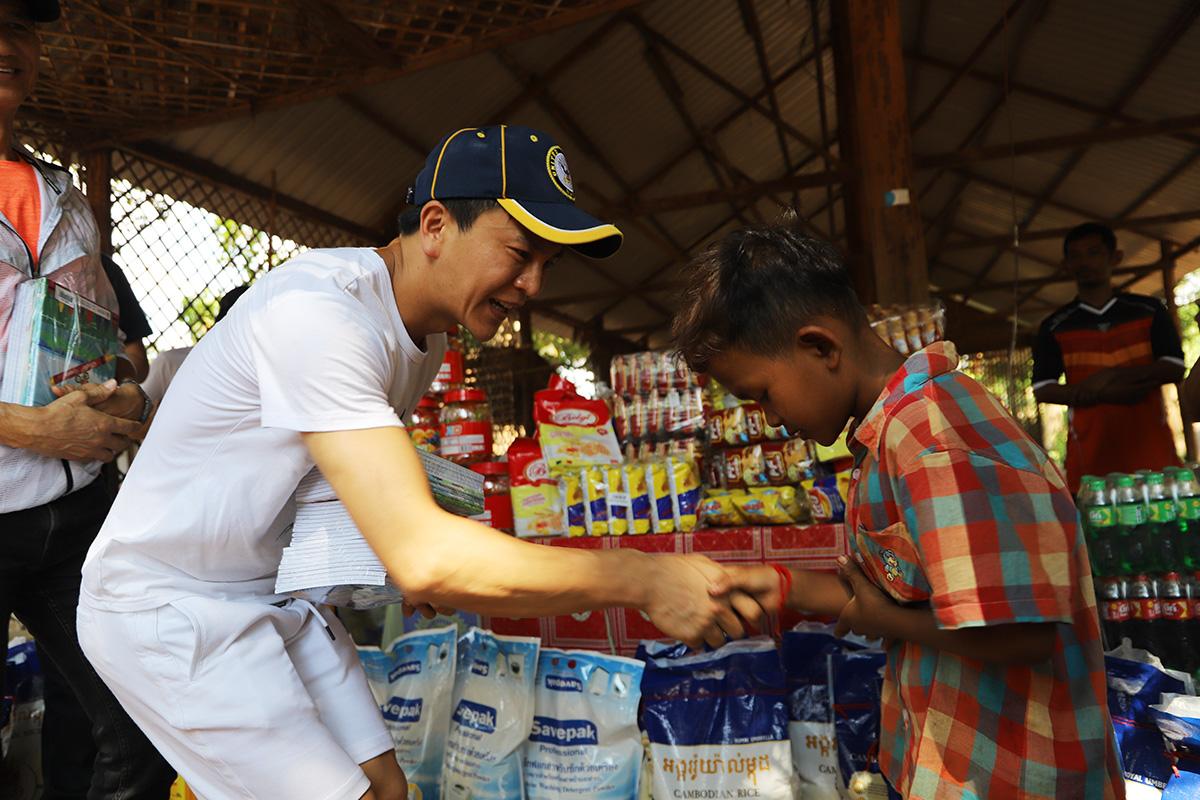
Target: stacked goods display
<point x="1143" y="536"/>
<point x="909" y="328"/>
<point x="328" y="560"/>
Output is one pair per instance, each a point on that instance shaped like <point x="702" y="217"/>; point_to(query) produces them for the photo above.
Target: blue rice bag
<point x="717" y="721"/>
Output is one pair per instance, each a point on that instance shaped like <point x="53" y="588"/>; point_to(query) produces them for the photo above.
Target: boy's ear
<point x="821" y="341"/>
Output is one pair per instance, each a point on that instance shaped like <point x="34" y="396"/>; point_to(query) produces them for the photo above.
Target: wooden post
<point x="885" y="236"/>
<point x="97" y="166"/>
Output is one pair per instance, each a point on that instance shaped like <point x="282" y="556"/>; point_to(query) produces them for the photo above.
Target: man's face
<point x="798" y="388"/>
<point x="491" y="270"/>
<point x="20" y="50"/>
<point x="1090" y="262"/>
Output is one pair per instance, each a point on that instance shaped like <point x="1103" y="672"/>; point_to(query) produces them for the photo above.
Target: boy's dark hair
<point x="755" y="287"/>
<point x="464" y="211"/>
<point x="1091" y="229"/>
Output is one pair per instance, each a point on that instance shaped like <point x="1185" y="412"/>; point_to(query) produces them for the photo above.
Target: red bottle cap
<point x="466" y="396"/>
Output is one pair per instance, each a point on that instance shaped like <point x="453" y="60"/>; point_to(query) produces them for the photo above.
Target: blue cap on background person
<point x="526" y="172"/>
<point x="42" y="10"/>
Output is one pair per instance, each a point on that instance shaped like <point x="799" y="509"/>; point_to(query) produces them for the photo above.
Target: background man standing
<point x="1116" y="350"/>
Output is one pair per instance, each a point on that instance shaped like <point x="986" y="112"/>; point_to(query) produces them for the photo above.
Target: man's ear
<point x="821" y="341"/>
<point x="435" y="219"/>
<point x="1117" y="257"/>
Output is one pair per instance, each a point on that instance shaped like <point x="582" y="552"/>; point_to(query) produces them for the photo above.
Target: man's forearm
<point x="1056" y="394"/>
<point x="15" y="422"/>
<point x="1017" y="643"/>
<point x="439" y="558"/>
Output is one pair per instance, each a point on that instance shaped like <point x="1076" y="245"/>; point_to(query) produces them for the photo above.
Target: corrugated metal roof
<point x="332" y="157"/>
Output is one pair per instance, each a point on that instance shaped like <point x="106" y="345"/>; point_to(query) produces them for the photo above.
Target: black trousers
<point x="90" y="747"/>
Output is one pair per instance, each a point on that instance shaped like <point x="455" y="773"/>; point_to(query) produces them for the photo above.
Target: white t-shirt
<point x="317" y="345"/>
<point x="162" y="372"/>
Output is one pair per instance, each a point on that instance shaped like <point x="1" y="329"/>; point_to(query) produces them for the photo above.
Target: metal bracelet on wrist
<point x="147" y="403"/>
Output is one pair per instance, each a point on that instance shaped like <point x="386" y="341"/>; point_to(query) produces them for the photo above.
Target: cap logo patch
<point x="560" y="173"/>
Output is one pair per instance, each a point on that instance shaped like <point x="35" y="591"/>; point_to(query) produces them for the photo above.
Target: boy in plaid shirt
<point x="967" y="556"/>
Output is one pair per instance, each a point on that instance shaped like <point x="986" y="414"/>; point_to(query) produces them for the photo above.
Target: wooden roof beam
<point x="1178" y="27"/>
<point x="1044" y="144"/>
<point x="1040" y="93"/>
<point x="1042" y="234"/>
<point x="920" y="119"/>
<point x="708" y="197"/>
<point x="754" y="31"/>
<point x="349" y="36"/>
<point x="349" y="82"/>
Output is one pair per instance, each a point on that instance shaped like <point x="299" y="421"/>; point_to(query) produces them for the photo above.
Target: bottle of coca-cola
<point x="1193" y="593"/>
<point x="1145" y="612"/>
<point x="1175" y="624"/>
<point x="1114" y="611"/>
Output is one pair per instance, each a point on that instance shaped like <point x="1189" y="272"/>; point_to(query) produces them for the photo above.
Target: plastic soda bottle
<point x="1132" y="516"/>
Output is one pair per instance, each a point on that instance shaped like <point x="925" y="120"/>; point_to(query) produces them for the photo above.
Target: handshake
<point x="701" y="602"/>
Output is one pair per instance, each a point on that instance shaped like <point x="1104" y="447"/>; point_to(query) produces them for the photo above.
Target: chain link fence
<point x="183" y="242"/>
<point x="1009" y="377"/>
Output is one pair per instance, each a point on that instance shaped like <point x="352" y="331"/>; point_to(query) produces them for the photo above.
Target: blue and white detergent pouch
<point x="806" y="650"/>
<point x="717" y="722"/>
<point x="413" y="682"/>
<point x="585" y="740"/>
<point x="1178" y="719"/>
<point x="1137" y="680"/>
<point x="491" y="717"/>
<point x="856" y="687"/>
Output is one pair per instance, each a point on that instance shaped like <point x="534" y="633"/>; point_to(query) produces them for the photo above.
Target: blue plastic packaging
<point x="413" y="681"/>
<point x="717" y="721"/>
<point x="491" y="717"/>
<point x="584" y="742"/>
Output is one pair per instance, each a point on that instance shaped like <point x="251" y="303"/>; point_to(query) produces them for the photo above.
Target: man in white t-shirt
<point x="251" y="695"/>
<point x="167" y="363"/>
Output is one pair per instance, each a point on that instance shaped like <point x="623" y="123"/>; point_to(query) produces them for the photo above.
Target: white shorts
<point x="245" y="699"/>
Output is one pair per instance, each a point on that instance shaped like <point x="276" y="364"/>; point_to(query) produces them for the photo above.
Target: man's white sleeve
<point x="320" y="364"/>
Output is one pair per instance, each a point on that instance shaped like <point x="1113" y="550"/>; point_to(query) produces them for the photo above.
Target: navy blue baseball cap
<point x="526" y="172"/>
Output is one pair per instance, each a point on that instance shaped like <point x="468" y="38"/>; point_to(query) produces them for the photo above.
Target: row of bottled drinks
<point x="1143" y="536"/>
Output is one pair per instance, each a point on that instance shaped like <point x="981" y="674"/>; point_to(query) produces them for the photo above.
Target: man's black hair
<point x="1087" y="229"/>
<point x="755" y="287"/>
<point x="464" y="211"/>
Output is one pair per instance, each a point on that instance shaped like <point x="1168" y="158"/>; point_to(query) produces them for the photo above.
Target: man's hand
<point x="426" y="610"/>
<point x="125" y="401"/>
<point x="689" y="601"/>
<point x="72" y="427"/>
<point x="869" y="606"/>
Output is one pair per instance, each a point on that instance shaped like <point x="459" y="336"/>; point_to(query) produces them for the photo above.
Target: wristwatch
<point x="147" y="403"/>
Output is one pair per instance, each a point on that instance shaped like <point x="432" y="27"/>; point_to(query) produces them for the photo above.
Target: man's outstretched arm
<point x="444" y="560"/>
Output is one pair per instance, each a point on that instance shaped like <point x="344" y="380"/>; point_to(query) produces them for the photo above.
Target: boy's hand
<point x="867" y="612"/>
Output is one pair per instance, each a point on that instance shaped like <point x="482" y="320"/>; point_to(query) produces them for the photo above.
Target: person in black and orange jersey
<point x="1116" y="349"/>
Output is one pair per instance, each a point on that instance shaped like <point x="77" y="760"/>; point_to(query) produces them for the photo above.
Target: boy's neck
<point x="1096" y="296"/>
<point x="878" y="362"/>
<point x="412" y="289"/>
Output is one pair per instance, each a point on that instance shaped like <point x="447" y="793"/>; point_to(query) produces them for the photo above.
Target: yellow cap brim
<point x="565" y="224"/>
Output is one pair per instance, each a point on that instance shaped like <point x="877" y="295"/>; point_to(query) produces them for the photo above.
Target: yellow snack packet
<point x="661" y="508"/>
<point x="618" y="502"/>
<point x="638" y="490"/>
<point x="685" y="494"/>
<point x="595" y="509"/>
<point x="769" y="506"/>
<point x="572" y="495"/>
<point x="719" y="511"/>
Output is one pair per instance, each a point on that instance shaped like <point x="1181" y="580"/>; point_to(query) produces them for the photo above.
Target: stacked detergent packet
<point x="328" y="560"/>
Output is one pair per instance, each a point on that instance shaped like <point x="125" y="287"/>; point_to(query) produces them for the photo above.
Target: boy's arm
<point x="820" y="593"/>
<point x="444" y="560"/>
<point x="873" y="614"/>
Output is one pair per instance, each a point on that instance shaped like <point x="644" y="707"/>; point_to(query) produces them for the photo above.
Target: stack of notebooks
<point x="55" y="337"/>
<point x="328" y="560"/>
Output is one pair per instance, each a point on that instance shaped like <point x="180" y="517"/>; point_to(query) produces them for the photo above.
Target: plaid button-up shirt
<point x="954" y="508"/>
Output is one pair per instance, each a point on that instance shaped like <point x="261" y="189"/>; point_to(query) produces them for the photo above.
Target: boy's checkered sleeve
<point x="997" y="543"/>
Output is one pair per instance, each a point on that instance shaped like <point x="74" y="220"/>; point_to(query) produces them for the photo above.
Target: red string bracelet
<point x="785" y="591"/>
